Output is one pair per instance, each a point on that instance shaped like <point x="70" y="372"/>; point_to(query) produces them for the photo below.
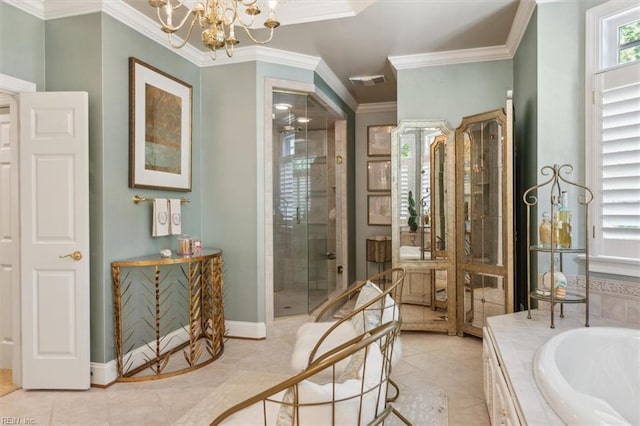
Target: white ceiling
<point x="364" y="37"/>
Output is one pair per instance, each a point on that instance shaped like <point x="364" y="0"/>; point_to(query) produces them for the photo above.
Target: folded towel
<point x="160" y="218"/>
<point x="176" y="217"/>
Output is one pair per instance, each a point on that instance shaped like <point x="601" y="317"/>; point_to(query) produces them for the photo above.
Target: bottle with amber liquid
<point x="564" y="216"/>
<point x="545" y="230"/>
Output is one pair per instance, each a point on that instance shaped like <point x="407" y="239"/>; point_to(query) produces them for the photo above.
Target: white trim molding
<point x="104" y="374"/>
<point x="246" y="330"/>
<point x="13" y="85"/>
<point x="377" y="107"/>
<point x="481" y="54"/>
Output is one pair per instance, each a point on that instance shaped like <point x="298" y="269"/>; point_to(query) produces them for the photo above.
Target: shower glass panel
<point x="301" y="200"/>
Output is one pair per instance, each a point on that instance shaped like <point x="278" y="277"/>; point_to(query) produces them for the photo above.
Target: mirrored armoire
<point x="423" y="227"/>
<point x="484" y="217"/>
<point x="452" y="220"/>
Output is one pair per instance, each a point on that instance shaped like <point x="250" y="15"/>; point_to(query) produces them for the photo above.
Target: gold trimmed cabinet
<point x="484" y="210"/>
<point x="423" y="226"/>
<point x="169" y="314"/>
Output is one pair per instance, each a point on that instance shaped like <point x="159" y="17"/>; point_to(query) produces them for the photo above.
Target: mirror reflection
<point x="421" y="192"/>
<point x="482" y="227"/>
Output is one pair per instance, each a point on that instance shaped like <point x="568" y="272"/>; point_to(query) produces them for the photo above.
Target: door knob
<point x="76" y="255"/>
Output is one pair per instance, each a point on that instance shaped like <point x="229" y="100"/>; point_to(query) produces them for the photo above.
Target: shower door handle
<point x="298" y="215"/>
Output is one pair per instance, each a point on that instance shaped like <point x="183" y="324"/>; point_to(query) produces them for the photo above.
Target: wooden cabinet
<point x="497" y="395"/>
<point x="169" y="315"/>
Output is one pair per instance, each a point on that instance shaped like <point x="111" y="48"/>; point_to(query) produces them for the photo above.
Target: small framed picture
<point x="379" y="209"/>
<point x="379" y="140"/>
<point x="379" y="175"/>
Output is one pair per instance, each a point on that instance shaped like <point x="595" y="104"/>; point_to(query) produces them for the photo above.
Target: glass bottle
<point x="564" y="215"/>
<point x="545" y="230"/>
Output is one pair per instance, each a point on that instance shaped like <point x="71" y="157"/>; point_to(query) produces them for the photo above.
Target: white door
<point x="9" y="241"/>
<point x="54" y="205"/>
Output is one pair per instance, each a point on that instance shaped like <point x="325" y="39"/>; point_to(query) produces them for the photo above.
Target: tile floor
<point x="429" y="360"/>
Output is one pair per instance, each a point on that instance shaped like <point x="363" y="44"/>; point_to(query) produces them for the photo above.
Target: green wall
<point x="22" y="45"/>
<point x="525" y="102"/>
<point x="452" y="92"/>
<point x="230" y="182"/>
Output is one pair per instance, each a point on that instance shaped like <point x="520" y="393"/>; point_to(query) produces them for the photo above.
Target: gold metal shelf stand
<point x="150" y="295"/>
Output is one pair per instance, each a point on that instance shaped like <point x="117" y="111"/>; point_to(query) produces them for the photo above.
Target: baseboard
<point x="104" y="374"/>
<point x="246" y="330"/>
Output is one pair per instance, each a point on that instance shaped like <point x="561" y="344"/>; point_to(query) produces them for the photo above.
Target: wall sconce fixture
<point x="217" y="18"/>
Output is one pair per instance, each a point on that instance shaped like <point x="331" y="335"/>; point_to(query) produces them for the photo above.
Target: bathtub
<point x="591" y="376"/>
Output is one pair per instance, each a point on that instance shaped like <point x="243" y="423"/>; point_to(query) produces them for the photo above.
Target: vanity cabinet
<point x="484" y="218"/>
<point x="499" y="400"/>
<point x="565" y="202"/>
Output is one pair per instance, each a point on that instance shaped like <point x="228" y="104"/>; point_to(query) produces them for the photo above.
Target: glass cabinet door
<point x="484" y="213"/>
<point x="422" y="222"/>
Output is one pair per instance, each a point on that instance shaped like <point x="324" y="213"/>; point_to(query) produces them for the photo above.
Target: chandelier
<point x="217" y="19"/>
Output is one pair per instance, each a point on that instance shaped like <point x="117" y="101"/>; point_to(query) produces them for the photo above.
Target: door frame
<point x="270" y="85"/>
<point x="11" y="87"/>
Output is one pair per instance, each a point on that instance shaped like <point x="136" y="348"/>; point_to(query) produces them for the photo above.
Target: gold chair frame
<point x="391" y="282"/>
<point x="383" y="336"/>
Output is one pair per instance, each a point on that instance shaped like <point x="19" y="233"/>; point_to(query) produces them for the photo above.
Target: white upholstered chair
<point x="377" y="301"/>
<point x="355" y="394"/>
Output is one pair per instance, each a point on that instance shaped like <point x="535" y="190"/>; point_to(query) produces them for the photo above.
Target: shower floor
<point x="294" y="301"/>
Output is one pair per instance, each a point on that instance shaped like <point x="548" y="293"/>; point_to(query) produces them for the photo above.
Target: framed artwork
<point x="159" y="129"/>
<point x="379" y="140"/>
<point x="379" y="209"/>
<point x="379" y="175"/>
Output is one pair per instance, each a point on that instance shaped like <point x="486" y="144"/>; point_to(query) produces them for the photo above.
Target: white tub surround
<point x="591" y="375"/>
<point x="513" y="340"/>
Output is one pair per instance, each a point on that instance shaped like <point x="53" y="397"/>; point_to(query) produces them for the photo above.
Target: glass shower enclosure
<point x="303" y="198"/>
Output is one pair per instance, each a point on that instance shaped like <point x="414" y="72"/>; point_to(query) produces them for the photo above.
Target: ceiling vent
<point x="367" y="80"/>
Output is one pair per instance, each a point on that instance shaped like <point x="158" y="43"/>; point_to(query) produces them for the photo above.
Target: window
<point x="613" y="137"/>
<point x="629" y="42"/>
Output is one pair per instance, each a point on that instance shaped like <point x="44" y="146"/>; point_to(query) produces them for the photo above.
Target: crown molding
<point x="137" y="21"/>
<point x="336" y="85"/>
<point x="482" y="54"/>
<point x="491" y="53"/>
<point x="264" y="54"/>
<point x="377" y="107"/>
<point x="519" y="26"/>
<point x="32" y="7"/>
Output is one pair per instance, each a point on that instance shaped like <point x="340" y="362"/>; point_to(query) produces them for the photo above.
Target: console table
<point x="167" y="306"/>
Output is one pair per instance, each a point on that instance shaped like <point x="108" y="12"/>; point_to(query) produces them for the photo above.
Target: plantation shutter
<point x="617" y="221"/>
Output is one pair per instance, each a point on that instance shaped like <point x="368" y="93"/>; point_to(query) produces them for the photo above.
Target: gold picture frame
<point x="379" y="209"/>
<point x="379" y="176"/>
<point x="160" y="111"/>
<point x="379" y="140"/>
